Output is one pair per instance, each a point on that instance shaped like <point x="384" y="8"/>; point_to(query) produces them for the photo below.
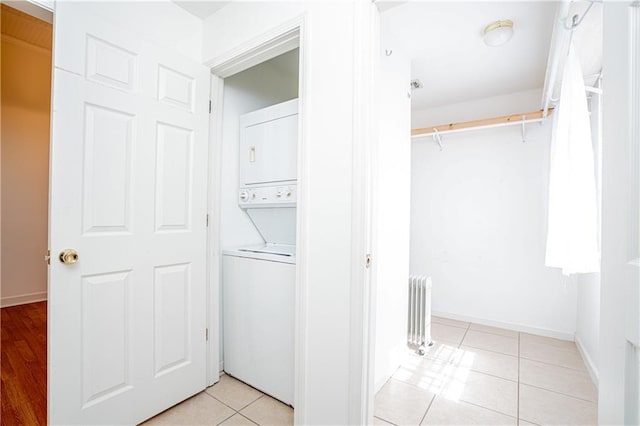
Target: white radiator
<point x="419" y="318"/>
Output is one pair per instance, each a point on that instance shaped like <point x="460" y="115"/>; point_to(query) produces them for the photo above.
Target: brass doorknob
<point x="68" y="256"/>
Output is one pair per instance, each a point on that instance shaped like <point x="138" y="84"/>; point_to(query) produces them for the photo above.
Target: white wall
<point x="478" y="221"/>
<point x="480" y="108"/>
<point x="392" y="216"/>
<point x="266" y="84"/>
<point x="234" y="25"/>
<point x="588" y="307"/>
<point x="26" y="99"/>
<point x="588" y="321"/>
<point x="328" y="387"/>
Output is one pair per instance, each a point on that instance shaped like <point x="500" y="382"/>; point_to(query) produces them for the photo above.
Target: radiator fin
<point x="419" y="312"/>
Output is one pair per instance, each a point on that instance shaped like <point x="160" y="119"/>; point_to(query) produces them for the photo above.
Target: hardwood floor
<point x="24" y="364"/>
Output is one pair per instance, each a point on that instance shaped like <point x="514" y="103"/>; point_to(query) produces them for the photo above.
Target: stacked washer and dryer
<point x="258" y="282"/>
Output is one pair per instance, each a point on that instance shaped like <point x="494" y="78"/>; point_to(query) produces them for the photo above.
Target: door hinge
<point x="207" y="219"/>
<point x="368" y="260"/>
<point x="209" y="107"/>
<point x="47" y="257"/>
<point x="206" y="334"/>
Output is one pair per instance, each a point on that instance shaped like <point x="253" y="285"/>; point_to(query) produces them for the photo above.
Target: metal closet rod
<point x="485" y="123"/>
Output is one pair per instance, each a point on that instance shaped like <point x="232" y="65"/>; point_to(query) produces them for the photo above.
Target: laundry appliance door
<point x="258" y="318"/>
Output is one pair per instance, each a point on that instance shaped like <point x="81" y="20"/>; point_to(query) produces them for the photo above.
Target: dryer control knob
<point x="244" y="195"/>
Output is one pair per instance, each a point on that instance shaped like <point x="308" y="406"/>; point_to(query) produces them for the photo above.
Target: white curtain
<point x="572" y="238"/>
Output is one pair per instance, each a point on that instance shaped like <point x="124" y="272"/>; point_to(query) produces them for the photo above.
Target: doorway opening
<point x="255" y="152"/>
<point x="26" y="114"/>
<point x="483" y="312"/>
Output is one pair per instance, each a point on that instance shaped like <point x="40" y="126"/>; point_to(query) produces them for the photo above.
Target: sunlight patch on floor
<point x="445" y="371"/>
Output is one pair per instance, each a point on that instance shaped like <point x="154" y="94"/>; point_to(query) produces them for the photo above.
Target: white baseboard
<point x="509" y="326"/>
<point x="22" y="299"/>
<point x="588" y="361"/>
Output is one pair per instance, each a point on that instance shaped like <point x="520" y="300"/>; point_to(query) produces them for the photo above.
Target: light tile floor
<point x="228" y="402"/>
<point x="473" y="374"/>
<point x="476" y="374"/>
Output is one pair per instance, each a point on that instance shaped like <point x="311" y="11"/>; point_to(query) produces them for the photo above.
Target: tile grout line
<point x="487" y="408"/>
<point x="216" y="399"/>
<point x="234" y="413"/>
<point x="517" y="338"/>
<point x="221" y="402"/>
<point x="464" y="336"/>
<point x="385" y="420"/>
<point x="436" y="394"/>
<point x="242" y="415"/>
<point x="493" y="332"/>
<point x="228" y="406"/>
<point x="466" y="330"/>
<point x="433" y="398"/>
<point x="505" y="335"/>
<point x="246" y="384"/>
<point x="530" y="422"/>
<point x="563" y="349"/>
<point x="493" y="375"/>
<point x="560" y="393"/>
<point x="484" y="373"/>
<point x="255" y="400"/>
<point x="449" y="324"/>
<point x="489" y="350"/>
<point x="556" y="365"/>
<point x="407" y="383"/>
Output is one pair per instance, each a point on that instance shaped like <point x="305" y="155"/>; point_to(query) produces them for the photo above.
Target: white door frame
<point x="365" y="146"/>
<point x="276" y="42"/>
<point x="214" y="199"/>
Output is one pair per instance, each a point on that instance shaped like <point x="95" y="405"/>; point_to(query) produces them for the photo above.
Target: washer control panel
<point x="268" y="196"/>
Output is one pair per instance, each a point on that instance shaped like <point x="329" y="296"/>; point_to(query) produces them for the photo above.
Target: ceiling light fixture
<point x="498" y="33"/>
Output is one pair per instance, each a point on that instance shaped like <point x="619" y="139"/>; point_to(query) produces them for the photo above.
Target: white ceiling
<point x="202" y="8"/>
<point x="444" y="42"/>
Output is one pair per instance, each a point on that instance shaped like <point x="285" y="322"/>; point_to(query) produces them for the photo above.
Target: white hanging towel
<point x="572" y="238"/>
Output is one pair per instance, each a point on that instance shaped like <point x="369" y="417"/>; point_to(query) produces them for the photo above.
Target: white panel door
<point x="128" y="193"/>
